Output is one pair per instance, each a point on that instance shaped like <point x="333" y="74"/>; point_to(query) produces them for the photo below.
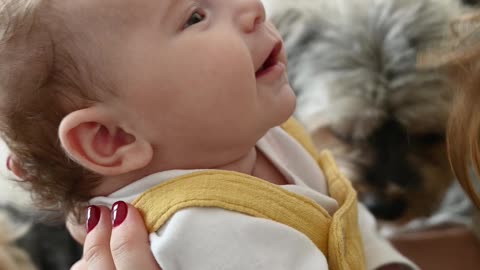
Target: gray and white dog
<point x="353" y="64"/>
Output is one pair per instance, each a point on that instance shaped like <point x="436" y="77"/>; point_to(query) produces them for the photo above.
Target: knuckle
<point x="95" y="253"/>
<point x="121" y="248"/>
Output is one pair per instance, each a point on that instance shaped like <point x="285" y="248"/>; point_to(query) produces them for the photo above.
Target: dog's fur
<point x="11" y="256"/>
<point x="361" y="95"/>
<point x="27" y="242"/>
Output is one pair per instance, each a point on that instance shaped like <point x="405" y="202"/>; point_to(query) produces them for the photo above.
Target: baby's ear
<point x="99" y="143"/>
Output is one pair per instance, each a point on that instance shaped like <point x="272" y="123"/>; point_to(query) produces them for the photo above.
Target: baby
<point x="182" y="108"/>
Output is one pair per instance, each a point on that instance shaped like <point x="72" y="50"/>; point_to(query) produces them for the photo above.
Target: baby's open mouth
<point x="271" y="60"/>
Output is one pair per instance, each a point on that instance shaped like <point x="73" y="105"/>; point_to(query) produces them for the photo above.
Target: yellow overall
<point x="337" y="236"/>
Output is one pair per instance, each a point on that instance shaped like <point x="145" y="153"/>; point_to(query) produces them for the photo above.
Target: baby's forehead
<point x="118" y="12"/>
<point x="87" y="28"/>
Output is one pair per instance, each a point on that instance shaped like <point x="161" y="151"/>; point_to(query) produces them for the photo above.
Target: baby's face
<point x="193" y="76"/>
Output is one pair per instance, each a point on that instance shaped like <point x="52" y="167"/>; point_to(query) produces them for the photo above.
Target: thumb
<point x="129" y="240"/>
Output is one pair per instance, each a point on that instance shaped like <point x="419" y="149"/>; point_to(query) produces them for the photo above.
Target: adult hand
<point x="116" y="240"/>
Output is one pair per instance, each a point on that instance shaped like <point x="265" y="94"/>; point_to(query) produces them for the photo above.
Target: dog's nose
<point x="385" y="207"/>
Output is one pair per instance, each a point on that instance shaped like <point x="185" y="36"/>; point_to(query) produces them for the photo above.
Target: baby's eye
<point x="195" y="18"/>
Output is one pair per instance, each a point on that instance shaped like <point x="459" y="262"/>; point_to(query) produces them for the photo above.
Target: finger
<point x="96" y="252"/>
<point x="129" y="243"/>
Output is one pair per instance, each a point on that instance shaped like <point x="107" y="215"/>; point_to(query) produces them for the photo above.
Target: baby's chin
<point x="287" y="108"/>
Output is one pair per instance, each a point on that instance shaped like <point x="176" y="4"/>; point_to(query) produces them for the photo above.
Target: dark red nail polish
<point x="119" y="213"/>
<point x="93" y="217"/>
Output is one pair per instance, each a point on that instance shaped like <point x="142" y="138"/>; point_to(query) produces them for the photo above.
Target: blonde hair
<point x="460" y="59"/>
<point x="40" y="83"/>
<point x="463" y="134"/>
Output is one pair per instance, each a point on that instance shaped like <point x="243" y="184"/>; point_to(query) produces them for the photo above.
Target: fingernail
<point x="119" y="213"/>
<point x="93" y="217"/>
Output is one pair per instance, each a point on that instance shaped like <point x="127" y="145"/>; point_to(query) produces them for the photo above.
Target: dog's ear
<point x="461" y="67"/>
<point x="457" y="66"/>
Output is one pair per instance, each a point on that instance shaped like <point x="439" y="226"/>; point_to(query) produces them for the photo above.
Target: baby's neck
<point x="109" y="184"/>
<point x="253" y="163"/>
<point x="245" y="164"/>
<point x="257" y="164"/>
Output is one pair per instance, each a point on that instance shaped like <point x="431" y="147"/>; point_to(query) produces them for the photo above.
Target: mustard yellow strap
<point x="339" y="187"/>
<point x="345" y="242"/>
<point x="236" y="192"/>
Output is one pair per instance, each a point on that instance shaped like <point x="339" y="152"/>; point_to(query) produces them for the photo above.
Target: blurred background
<point x="361" y="94"/>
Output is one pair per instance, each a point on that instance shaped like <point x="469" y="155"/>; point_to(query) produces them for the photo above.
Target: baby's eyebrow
<point x="171" y="7"/>
<point x="172" y="4"/>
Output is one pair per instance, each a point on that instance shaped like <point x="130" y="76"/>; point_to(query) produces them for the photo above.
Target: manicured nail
<point x="119" y="213"/>
<point x="93" y="217"/>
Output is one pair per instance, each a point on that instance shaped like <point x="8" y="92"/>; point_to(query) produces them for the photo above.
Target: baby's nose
<point x="250" y="14"/>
